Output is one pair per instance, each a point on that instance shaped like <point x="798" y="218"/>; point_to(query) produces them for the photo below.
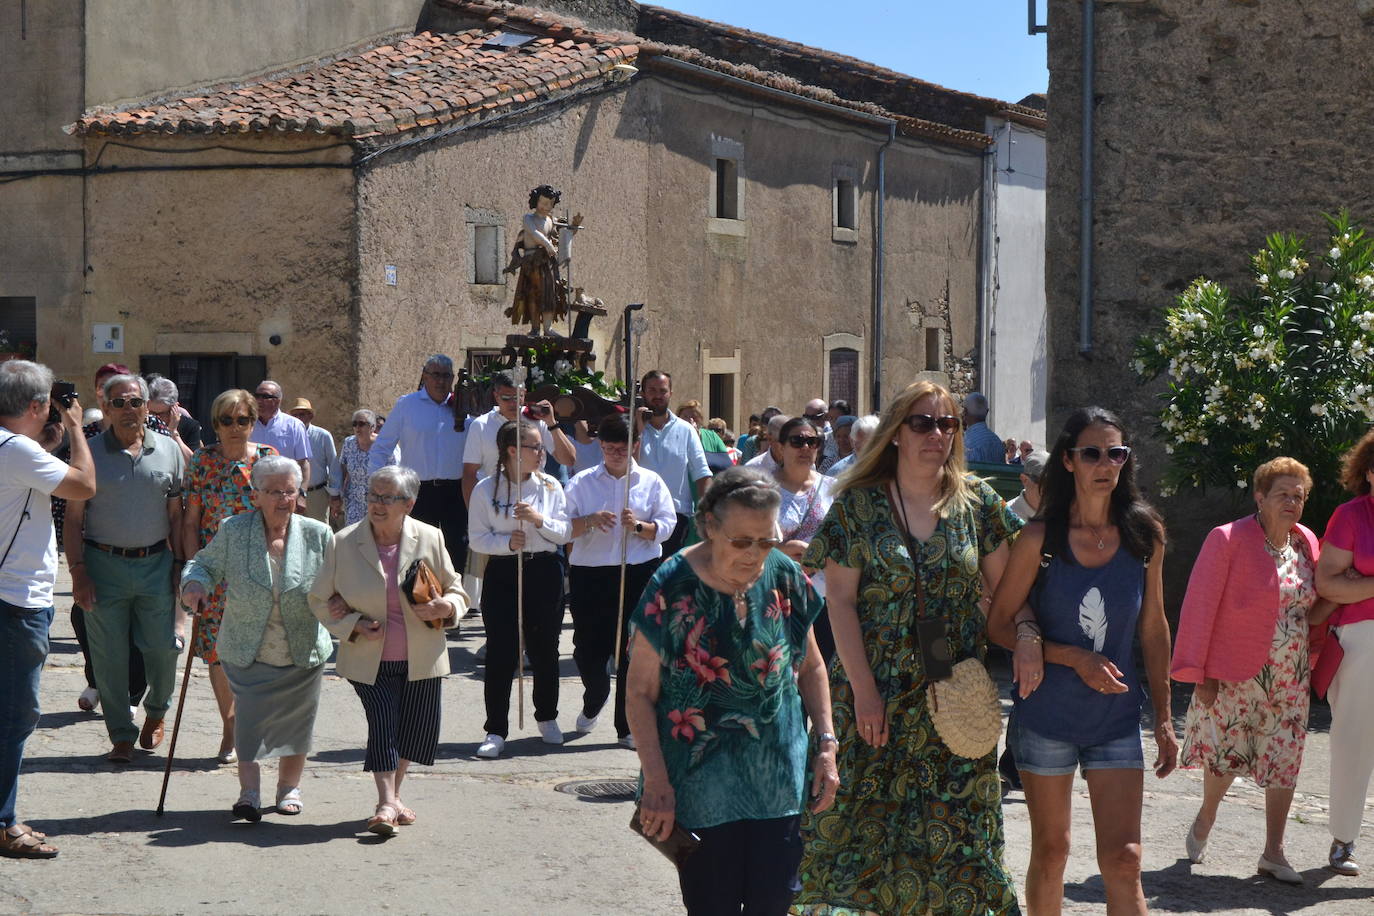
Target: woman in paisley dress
<point x="1085" y="581"/>
<point x="1243" y="641"/>
<point x="352" y="470"/>
<point x="806" y="498"/>
<point x="722" y="663"/>
<point x="220" y="485"/>
<point x="915" y="828"/>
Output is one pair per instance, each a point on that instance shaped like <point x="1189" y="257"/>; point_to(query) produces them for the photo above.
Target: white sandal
<point x="291" y="798"/>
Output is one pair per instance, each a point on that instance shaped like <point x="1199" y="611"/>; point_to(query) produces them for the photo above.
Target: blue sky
<point x="978" y="46"/>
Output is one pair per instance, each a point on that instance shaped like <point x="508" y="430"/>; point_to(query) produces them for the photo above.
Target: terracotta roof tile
<point x="384" y="90"/>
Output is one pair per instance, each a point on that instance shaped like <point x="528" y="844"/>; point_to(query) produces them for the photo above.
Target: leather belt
<point x="440" y="482"/>
<point x="314" y="488"/>
<point x="133" y="553"/>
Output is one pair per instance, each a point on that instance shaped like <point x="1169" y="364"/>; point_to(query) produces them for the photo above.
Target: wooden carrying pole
<point x="176" y="723"/>
<point x="629" y="463"/>
<point x="519" y="554"/>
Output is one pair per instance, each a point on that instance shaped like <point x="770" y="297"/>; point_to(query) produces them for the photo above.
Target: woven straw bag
<point x="965" y="710"/>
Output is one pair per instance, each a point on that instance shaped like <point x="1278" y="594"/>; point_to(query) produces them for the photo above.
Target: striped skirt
<point x="402" y="717"/>
<point x="275" y="708"/>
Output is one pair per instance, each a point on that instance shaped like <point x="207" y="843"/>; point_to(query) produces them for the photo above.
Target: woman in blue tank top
<point x="1084" y="579"/>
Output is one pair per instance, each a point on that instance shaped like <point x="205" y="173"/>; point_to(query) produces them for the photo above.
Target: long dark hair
<point x="1138" y="522"/>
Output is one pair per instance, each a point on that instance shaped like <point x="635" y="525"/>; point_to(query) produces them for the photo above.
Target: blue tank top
<point x="1096" y="609"/>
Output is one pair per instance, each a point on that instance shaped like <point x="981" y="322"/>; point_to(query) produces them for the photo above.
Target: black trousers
<point x="138" y="685"/>
<point x="402" y="717"/>
<point x="440" y="503"/>
<point x="543" y="623"/>
<point x="594" y="592"/>
<point x="674" y="542"/>
<point x="744" y="867"/>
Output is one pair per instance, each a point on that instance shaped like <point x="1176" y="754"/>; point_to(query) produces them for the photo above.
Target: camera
<point x="65" y="394"/>
<point x="536" y="412"/>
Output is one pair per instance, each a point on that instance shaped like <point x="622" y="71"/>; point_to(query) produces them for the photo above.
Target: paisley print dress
<point x="915" y="829"/>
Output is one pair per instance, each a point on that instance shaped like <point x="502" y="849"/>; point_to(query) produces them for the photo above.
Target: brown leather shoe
<point x="122" y="752"/>
<point x="151" y="736"/>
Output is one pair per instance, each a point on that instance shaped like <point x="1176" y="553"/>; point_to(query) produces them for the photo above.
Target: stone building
<point x="331" y="205"/>
<point x="1214" y="124"/>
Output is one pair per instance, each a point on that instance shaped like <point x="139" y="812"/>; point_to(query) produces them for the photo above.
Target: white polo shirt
<point x="595" y="490"/>
<point x="27" y="473"/>
<point x="480" y="448"/>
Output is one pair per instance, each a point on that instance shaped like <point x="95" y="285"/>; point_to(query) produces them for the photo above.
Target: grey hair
<point x="275" y="466"/>
<point x="268" y="381"/>
<point x="163" y="389"/>
<point x="23" y="383"/>
<point x="976" y="404"/>
<point x="439" y="359"/>
<point x="865" y="426"/>
<point x="747" y="488"/>
<point x="115" y="381"/>
<point x="403" y="480"/>
<point x="369" y="415"/>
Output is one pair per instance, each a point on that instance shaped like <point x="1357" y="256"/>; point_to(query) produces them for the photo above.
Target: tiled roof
<point x="416" y="82"/>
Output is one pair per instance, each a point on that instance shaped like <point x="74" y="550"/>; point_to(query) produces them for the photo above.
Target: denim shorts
<point x="1042" y="756"/>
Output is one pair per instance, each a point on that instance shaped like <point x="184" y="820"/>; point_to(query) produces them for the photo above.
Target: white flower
<point x="562" y="367"/>
<point x="1256" y="353"/>
<point x="1366" y="281"/>
<point x="1319" y="409"/>
<point x="1258" y="331"/>
<point x="1168" y="449"/>
<point x="1286" y="274"/>
<point x="1335" y="252"/>
<point x="1240" y="485"/>
<point x="1294" y="263"/>
<point x="1263" y="279"/>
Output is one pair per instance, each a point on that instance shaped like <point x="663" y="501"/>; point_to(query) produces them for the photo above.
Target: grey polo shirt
<point x="129" y="508"/>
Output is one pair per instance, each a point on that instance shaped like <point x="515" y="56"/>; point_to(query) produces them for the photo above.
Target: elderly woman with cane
<point x="272" y="648"/>
<point x="391" y="645"/>
<point x="518" y="517"/>
<point x="724" y="670"/>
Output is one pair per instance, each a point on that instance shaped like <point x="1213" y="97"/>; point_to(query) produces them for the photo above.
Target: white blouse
<point x="490" y="523"/>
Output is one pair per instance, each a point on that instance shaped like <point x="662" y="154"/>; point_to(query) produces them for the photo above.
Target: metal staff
<point x="176" y="723"/>
<point x="519" y="372"/>
<point x="629" y="460"/>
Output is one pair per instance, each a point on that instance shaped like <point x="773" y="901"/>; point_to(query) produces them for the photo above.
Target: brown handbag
<point x="421" y="586"/>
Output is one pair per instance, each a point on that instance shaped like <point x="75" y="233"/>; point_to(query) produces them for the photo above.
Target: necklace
<point x="1101" y="540"/>
<point x="1274" y="549"/>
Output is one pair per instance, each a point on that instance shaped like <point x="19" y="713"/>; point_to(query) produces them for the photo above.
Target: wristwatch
<point x="826" y="736"/>
<point x="639" y="527"/>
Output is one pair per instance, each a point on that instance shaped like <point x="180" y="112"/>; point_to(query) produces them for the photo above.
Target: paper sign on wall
<point x="107" y="338"/>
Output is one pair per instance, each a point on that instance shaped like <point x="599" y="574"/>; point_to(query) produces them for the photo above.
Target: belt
<point x="440" y="482"/>
<point x="133" y="553"/>
<point x="314" y="488"/>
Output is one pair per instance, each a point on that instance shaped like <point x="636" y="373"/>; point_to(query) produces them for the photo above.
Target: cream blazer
<point x="353" y="568"/>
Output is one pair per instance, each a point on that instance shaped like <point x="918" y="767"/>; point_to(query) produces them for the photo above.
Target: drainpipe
<point x="1085" y="194"/>
<point x="876" y="393"/>
<point x="630" y="390"/>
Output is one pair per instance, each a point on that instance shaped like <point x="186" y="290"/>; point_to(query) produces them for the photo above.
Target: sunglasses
<point x="814" y="416"/>
<point x="226" y="420"/>
<point x="507" y="397"/>
<point x="803" y="441"/>
<point x="764" y="544"/>
<point x="358" y="423"/>
<point x="121" y="403"/>
<point x="1091" y="454"/>
<point x="922" y="423"/>
<point x="384" y="500"/>
<point x="266" y="397"/>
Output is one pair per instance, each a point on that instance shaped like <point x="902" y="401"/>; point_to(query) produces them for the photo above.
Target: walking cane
<point x="519" y="372"/>
<point x="176" y="723"/>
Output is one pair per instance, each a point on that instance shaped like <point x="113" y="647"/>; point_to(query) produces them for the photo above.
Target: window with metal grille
<point x="844" y="375"/>
<point x="19" y="322"/>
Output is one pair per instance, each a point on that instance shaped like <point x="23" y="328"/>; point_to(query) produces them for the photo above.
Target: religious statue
<point x="543" y="247"/>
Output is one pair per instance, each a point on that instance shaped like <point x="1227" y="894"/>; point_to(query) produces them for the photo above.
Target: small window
<point x="844" y="375"/>
<point x="720" y="400"/>
<point x="846" y="204"/>
<point x="19" y="325"/>
<point x="486" y="255"/>
<point x="726" y="204"/>
<point x="935" y="350"/>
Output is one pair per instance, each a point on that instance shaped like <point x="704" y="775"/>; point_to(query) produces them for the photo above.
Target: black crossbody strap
<point x="22" y="515"/>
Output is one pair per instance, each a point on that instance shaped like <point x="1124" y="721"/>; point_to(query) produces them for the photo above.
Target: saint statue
<point x="542" y="246"/>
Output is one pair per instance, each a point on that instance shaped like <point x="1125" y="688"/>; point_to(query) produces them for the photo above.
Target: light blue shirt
<point x="982" y="444"/>
<point x="429" y="444"/>
<point x="284" y="433"/>
<point x="324" y="458"/>
<point x="675" y="454"/>
<point x="839" y="467"/>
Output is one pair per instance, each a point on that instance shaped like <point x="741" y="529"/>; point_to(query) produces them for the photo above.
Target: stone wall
<point x="1217" y="123"/>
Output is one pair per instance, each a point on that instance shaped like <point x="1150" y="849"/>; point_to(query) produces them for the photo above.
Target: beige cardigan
<point x="353" y="568"/>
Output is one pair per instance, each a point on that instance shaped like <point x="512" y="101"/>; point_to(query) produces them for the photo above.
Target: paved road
<point x="495" y="836"/>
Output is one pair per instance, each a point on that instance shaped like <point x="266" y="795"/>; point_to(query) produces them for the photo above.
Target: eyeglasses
<point x="764" y="544"/>
<point x="1091" y="454"/>
<point x="439" y="374"/>
<point x="261" y="396"/>
<point x="121" y="403"/>
<point x="358" y="423"/>
<point x="803" y="441"/>
<point x="922" y="423"/>
<point x="226" y="420"/>
<point x="281" y="494"/>
<point x="534" y="448"/>
<point x="384" y="500"/>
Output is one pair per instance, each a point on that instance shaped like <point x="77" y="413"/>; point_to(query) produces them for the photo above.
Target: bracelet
<point x="1030" y="637"/>
<point x="1028" y="623"/>
<point x="827" y="736"/>
<point x="71" y="566"/>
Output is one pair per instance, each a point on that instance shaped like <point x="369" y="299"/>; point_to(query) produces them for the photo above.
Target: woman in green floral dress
<point x="915" y="828"/>
<point x="723" y="662"/>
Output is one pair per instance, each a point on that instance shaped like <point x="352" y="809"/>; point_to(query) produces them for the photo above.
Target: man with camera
<point x="34" y="414"/>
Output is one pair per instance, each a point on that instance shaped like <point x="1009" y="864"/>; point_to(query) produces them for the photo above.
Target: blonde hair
<point x="227" y="400"/>
<point x="1267" y="473"/>
<point x="876" y="465"/>
<point x="694" y="407"/>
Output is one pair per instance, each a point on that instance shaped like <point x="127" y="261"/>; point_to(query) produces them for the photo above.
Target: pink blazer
<point x="1233" y="595"/>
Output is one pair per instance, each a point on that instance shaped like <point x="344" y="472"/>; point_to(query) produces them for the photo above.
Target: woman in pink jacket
<point x="1243" y="640"/>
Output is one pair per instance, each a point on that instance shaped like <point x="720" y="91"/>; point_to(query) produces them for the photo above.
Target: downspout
<point x="876" y="392"/>
<point x="986" y="383"/>
<point x="1085" y="194"/>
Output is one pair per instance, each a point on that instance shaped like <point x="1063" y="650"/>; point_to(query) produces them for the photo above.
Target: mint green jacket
<point x="237" y="555"/>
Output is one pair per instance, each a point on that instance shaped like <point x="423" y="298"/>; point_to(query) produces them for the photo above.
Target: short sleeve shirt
<point x="27" y="473"/>
<point x="1352" y="528"/>
<point x="286" y="434"/>
<point x="129" y="508"/>
<point x="729" y="712"/>
<point x="480" y="447"/>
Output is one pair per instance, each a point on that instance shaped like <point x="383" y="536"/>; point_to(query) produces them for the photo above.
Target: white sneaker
<point x="133" y="712"/>
<point x="585" y="724"/>
<point x="550" y="732"/>
<point x="89" y="699"/>
<point x="491" y="748"/>
<point x="628" y="741"/>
